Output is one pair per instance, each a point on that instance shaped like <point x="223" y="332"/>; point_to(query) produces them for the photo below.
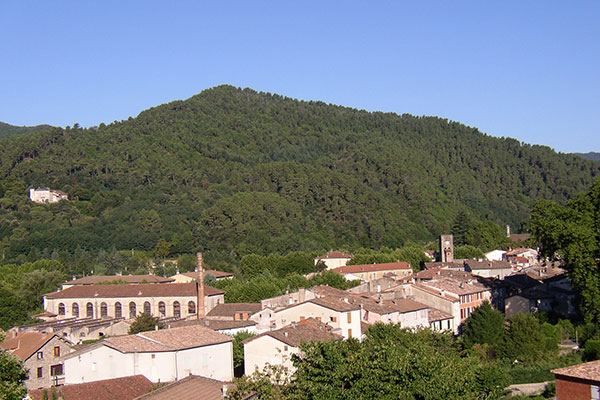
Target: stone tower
<point x="446" y="248"/>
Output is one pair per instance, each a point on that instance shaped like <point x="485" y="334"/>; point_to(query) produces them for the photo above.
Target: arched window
<point x="75" y="310"/>
<point x="162" y="309"/>
<point x="191" y="307"/>
<point x="61" y="309"/>
<point x="118" y="310"/>
<point x="176" y="310"/>
<point x="147" y="308"/>
<point x="103" y="310"/>
<point x="89" y="310"/>
<point x="132" y="310"/>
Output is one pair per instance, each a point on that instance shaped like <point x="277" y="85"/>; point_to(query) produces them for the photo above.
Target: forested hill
<point x="7" y="130"/>
<point x="589" y="156"/>
<point x="234" y="171"/>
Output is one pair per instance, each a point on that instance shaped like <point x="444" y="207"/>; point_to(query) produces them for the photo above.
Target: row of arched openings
<point x="162" y="309"/>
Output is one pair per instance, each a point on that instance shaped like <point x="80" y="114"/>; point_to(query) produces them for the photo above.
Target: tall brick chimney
<point x="200" y="287"/>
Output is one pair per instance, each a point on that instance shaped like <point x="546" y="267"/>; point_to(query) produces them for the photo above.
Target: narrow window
<point x="118" y="310"/>
<point x="40" y="355"/>
<point x="349" y="333"/>
<point x="40" y="372"/>
<point x="176" y="310"/>
<point x="103" y="310"/>
<point x="132" y="310"/>
<point x="349" y="317"/>
<point x="162" y="309"/>
<point x="89" y="310"/>
<point x="56" y="351"/>
<point x="61" y="309"/>
<point x="147" y="308"/>
<point x="191" y="307"/>
<point x="75" y="310"/>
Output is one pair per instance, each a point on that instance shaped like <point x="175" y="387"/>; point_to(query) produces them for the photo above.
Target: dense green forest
<point x="232" y="172"/>
<point x="7" y="130"/>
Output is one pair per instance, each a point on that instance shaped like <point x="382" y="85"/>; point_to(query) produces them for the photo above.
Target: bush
<point x="592" y="350"/>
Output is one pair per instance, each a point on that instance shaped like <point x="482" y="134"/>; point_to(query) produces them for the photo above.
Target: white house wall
<point x="267" y="350"/>
<point x="215" y="361"/>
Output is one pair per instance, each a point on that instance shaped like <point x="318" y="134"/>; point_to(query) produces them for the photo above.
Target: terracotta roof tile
<point x="335" y="254"/>
<point x="214" y="324"/>
<point x="486" y="264"/>
<point x="215" y="273"/>
<point x="230" y="309"/>
<point x="293" y="335"/>
<point x="24" y="345"/>
<point x="126" y="388"/>
<point x="190" y="387"/>
<point x="438" y="315"/>
<point x="94" y="279"/>
<point x="455" y="286"/>
<point x="589" y="371"/>
<point x="353" y="269"/>
<point x="163" y="340"/>
<point x="132" y="290"/>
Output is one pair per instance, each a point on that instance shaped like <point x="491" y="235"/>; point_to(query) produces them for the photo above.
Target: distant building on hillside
<point x="334" y="259"/>
<point x="45" y="195"/>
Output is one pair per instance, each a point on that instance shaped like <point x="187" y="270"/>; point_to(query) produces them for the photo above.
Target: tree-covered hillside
<point x="7" y="130"/>
<point x="233" y="172"/>
<point x="590" y="156"/>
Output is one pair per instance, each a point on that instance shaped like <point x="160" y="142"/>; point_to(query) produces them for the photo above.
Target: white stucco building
<point x="161" y="356"/>
<point x="342" y="317"/>
<point x="45" y="195"/>
<point x="276" y="347"/>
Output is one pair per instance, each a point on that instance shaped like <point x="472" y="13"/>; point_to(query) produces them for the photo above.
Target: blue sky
<point x="523" y="69"/>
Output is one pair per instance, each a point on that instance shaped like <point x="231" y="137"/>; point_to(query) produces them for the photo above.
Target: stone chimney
<point x="200" y="288"/>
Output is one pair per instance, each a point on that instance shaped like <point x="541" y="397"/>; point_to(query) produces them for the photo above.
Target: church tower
<point x="446" y="248"/>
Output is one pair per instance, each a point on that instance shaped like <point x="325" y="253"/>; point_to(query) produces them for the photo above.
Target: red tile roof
<point x="214" y="324"/>
<point x="126" y="388"/>
<point x="485" y="264"/>
<point x="231" y="309"/>
<point x="334" y="254"/>
<point x="190" y="387"/>
<point x="94" y="279"/>
<point x="293" y="335"/>
<point x="588" y="371"/>
<point x="133" y="290"/>
<point x="353" y="269"/>
<point x="24" y="345"/>
<point x="438" y="315"/>
<point x="215" y="273"/>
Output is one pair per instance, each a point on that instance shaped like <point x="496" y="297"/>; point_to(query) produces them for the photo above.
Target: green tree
<point x="484" y="326"/>
<point x="460" y="228"/>
<point x="210" y="279"/>
<point x="467" y="252"/>
<point x="12" y="377"/>
<point x="523" y="340"/>
<point x="143" y="323"/>
<point x="571" y="233"/>
<point x="238" y="351"/>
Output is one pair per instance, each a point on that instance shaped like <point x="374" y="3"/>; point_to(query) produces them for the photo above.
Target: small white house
<point x="276" y="347"/>
<point x="343" y="317"/>
<point x="161" y="356"/>
<point x="495" y="255"/>
<point x="334" y="259"/>
<point x="45" y="195"/>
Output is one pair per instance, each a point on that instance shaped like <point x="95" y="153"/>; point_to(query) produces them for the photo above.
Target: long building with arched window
<point x="178" y="300"/>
